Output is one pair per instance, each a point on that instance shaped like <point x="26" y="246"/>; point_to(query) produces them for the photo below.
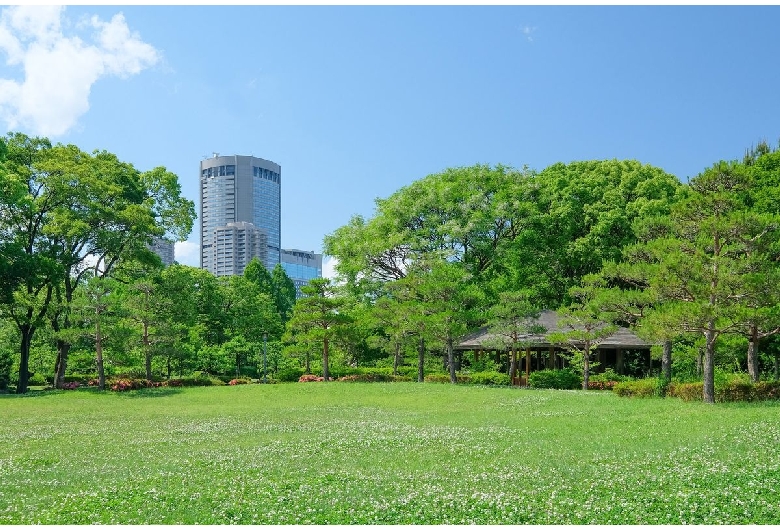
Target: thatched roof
<point x="623" y="338"/>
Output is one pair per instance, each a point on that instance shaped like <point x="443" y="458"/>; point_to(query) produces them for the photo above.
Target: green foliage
<point x="289" y="374"/>
<point x="37" y="380"/>
<point x="489" y="378"/>
<point x="639" y="388"/>
<point x="559" y="379"/>
<point x="485" y="363"/>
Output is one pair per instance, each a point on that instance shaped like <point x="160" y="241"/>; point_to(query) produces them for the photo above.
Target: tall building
<point x="301" y="266"/>
<point x="234" y="247"/>
<point x="239" y="190"/>
<point x="163" y="248"/>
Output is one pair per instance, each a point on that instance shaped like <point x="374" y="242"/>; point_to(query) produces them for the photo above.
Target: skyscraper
<point x="301" y="266"/>
<point x="244" y="191"/>
<point x="163" y="248"/>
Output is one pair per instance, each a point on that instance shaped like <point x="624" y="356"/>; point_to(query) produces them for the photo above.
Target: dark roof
<point x="481" y="339"/>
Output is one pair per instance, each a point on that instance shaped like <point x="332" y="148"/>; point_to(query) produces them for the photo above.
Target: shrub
<point x="37" y="380"/>
<point x="640" y="388"/>
<point x="309" y="378"/>
<point x="735" y="389"/>
<point x="73" y="385"/>
<point x="445" y="378"/>
<point x="767" y="390"/>
<point x="601" y="385"/>
<point x="376" y="377"/>
<point x="289" y="374"/>
<point x="609" y="375"/>
<point x="686" y="391"/>
<point x="78" y="378"/>
<point x="490" y="378"/>
<point x="560" y="379"/>
<point x="239" y="381"/>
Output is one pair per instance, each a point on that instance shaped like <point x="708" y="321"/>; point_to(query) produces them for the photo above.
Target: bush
<point x="601" y="385"/>
<point x="310" y="378"/>
<point x="289" y="374"/>
<point x="445" y="378"/>
<point x="372" y="378"/>
<point x="560" y="379"/>
<point x="78" y="378"/>
<point x="490" y="378"/>
<point x="735" y="389"/>
<point x="609" y="375"/>
<point x="640" y="388"/>
<point x="37" y="380"/>
<point x="239" y="381"/>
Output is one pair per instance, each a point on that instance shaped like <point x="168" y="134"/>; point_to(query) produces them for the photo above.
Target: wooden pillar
<point x="553" y="358"/>
<point x="527" y="363"/>
<point x="619" y="366"/>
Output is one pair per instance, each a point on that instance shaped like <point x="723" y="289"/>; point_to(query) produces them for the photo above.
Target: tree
<point x="469" y="213"/>
<point x="283" y="293"/>
<point x="98" y="302"/>
<point x="512" y="319"/>
<point x="701" y="262"/>
<point x="26" y="212"/>
<point x="77" y="209"/>
<point x="584" y="325"/>
<point x="317" y="317"/>
<point x="446" y="296"/>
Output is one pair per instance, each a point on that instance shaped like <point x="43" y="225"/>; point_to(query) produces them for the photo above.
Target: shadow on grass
<point x="141" y="393"/>
<point x="162" y="391"/>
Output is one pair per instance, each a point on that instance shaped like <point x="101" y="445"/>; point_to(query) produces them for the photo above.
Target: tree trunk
<point x="325" y="371"/>
<point x="63" y="350"/>
<point x="752" y="354"/>
<point x="308" y="361"/>
<point x="147" y="355"/>
<point x="513" y="363"/>
<point x="451" y="361"/>
<point x="709" y="364"/>
<point x="666" y="361"/>
<point x="99" y="356"/>
<point x="586" y="366"/>
<point x="421" y="361"/>
<point x="24" y="358"/>
<point x="397" y="357"/>
<point x="699" y="361"/>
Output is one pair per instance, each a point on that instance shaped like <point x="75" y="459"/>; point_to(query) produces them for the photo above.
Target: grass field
<point x="396" y="453"/>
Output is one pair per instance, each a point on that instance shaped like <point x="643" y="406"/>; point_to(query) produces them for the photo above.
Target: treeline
<point x="692" y="267"/>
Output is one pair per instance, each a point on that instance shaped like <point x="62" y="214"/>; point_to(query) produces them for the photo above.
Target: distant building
<point x="301" y="266"/>
<point x="163" y="248"/>
<point x="234" y="247"/>
<point x="236" y="191"/>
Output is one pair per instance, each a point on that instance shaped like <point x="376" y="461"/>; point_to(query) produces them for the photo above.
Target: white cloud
<point x="59" y="70"/>
<point x="528" y="31"/>
<point x="329" y="267"/>
<point x="187" y="253"/>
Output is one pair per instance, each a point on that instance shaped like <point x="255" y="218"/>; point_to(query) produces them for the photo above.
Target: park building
<point x="301" y="266"/>
<point x="240" y="213"/>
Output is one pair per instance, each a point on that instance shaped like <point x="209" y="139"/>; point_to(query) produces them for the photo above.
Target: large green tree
<point x="77" y="211"/>
<point x="701" y="262"/>
<point x="317" y="317"/>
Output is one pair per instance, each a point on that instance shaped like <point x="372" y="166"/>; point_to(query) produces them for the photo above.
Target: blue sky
<point x="356" y="102"/>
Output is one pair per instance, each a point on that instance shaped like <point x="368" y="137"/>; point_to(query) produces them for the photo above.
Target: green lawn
<point x="384" y="453"/>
